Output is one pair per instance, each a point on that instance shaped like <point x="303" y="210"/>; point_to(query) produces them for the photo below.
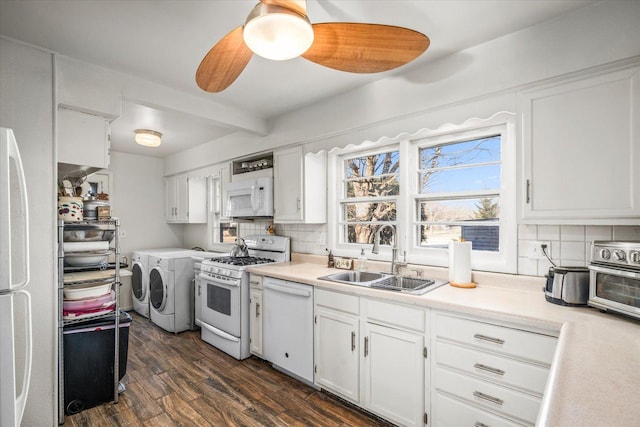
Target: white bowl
<point x="84" y="259"/>
<point x="88" y="290"/>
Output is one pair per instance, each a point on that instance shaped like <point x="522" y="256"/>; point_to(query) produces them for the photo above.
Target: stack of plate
<point x="87" y="300"/>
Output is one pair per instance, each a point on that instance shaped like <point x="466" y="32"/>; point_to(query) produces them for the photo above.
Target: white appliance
<point x="250" y="198"/>
<point x="288" y="345"/>
<point x="197" y="257"/>
<point x="170" y="284"/>
<point x="225" y="300"/>
<point x="140" y="277"/>
<point x="15" y="302"/>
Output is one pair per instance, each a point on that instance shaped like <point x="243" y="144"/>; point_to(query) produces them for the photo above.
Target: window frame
<point x="504" y="260"/>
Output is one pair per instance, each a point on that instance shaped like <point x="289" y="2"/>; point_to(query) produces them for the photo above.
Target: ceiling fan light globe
<point x="148" y="138"/>
<point x="277" y="33"/>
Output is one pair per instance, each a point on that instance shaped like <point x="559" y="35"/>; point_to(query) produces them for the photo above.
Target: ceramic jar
<point x="70" y="208"/>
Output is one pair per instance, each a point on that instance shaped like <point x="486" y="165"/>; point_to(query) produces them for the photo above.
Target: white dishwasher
<point x="288" y="326"/>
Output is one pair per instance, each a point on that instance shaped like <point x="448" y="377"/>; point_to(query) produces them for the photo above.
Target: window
<point x="220" y="229"/>
<point x="452" y="183"/>
<point x="371" y="187"/>
<point x="459" y="193"/>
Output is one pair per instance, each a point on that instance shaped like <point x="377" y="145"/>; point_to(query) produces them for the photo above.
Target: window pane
<point x="375" y="164"/>
<point x="474" y="178"/>
<point x="228" y="232"/>
<point x="364" y="234"/>
<point x="372" y="211"/>
<point x="482" y="237"/>
<point x="459" y="209"/>
<point x="461" y="166"/>
<point x="373" y="187"/>
<point x="461" y="153"/>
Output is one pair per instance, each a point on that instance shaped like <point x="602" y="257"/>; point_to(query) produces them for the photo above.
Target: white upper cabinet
<point x="185" y="199"/>
<point x="83" y="139"/>
<point x="300" y="186"/>
<point x="581" y="149"/>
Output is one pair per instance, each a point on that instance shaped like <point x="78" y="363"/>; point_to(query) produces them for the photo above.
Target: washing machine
<point x="170" y="296"/>
<point x="140" y="277"/>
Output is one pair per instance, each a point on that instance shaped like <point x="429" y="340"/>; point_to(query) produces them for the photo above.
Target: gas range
<point x="262" y="250"/>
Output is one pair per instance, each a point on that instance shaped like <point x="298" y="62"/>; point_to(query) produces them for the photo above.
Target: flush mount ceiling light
<point x="280" y="29"/>
<point x="277" y="33"/>
<point x="148" y="138"/>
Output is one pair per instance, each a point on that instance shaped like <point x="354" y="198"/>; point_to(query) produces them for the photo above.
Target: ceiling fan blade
<point x="224" y="62"/>
<point x="364" y="48"/>
<point x="298" y="6"/>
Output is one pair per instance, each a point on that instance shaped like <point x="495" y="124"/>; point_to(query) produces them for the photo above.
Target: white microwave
<point x="250" y="198"/>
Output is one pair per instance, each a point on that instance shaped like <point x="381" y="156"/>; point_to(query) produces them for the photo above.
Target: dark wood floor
<point x="179" y="380"/>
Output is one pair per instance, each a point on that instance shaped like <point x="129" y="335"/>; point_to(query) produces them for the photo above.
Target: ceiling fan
<point x="280" y="29"/>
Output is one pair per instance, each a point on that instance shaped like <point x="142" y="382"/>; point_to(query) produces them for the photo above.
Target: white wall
<point x="138" y="201"/>
<point x="26" y="106"/>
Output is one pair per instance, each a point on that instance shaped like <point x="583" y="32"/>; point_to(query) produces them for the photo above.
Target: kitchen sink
<point x="362" y="278"/>
<point x="385" y="281"/>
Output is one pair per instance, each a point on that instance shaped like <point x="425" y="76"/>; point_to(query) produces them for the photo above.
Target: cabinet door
<point x="337" y="353"/>
<point x="83" y="139"/>
<point x="581" y="157"/>
<point x="393" y="374"/>
<point x="182" y="198"/>
<point x="170" y="199"/>
<point x="255" y="322"/>
<point x="287" y="185"/>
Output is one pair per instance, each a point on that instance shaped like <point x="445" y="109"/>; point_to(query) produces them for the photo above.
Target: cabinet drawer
<point x="337" y="301"/>
<point x="526" y="345"/>
<point x="505" y="371"/>
<point x="255" y="281"/>
<point x="451" y="412"/>
<point x="396" y="315"/>
<point x="488" y="395"/>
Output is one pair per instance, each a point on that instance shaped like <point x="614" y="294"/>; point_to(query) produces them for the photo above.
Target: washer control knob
<point x="620" y="254"/>
<point x="605" y="253"/>
<point x="635" y="257"/>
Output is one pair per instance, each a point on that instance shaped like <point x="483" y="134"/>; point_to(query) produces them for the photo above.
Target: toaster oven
<point x="614" y="281"/>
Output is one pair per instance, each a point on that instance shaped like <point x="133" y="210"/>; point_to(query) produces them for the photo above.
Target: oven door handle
<point x="615" y="271"/>
<point x="219" y="332"/>
<point x="214" y="281"/>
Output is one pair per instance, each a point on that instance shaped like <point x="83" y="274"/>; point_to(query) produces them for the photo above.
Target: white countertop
<point x="595" y="376"/>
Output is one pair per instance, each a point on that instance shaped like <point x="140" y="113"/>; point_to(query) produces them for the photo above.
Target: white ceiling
<point x="164" y="41"/>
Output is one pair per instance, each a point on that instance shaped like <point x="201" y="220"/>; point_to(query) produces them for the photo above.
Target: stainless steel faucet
<point x="394" y="249"/>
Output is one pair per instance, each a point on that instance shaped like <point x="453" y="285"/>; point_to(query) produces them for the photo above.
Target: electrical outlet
<point x="123" y="234"/>
<point x="534" y="249"/>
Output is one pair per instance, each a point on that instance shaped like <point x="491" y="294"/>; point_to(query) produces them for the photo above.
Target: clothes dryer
<point x="140" y="277"/>
<point x="170" y="285"/>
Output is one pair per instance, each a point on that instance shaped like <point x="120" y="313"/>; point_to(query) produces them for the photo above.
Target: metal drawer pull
<point x="479" y="424"/>
<point x="487" y="397"/>
<point x="490" y="339"/>
<point x="353" y="341"/>
<point x="257" y="310"/>
<point x="366" y="346"/>
<point x="489" y="369"/>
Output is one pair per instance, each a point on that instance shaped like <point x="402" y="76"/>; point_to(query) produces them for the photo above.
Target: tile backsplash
<point x="570" y="244"/>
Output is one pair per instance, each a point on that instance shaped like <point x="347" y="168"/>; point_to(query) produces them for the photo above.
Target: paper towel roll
<point x="460" y="262"/>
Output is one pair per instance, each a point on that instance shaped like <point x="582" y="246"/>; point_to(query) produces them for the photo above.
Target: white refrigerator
<point x="15" y="302"/>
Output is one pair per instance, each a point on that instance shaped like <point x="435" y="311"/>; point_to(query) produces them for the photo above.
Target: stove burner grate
<point x="247" y="260"/>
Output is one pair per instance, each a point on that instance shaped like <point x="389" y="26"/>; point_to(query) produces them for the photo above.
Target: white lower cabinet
<point x="255" y="315"/>
<point x="371" y="353"/>
<point x="337" y="353"/>
<point x="486" y="374"/>
<point x="393" y="380"/>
